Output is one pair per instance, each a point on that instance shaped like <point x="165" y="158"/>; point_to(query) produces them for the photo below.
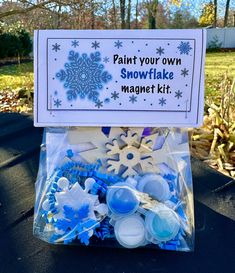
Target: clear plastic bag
<point x="111" y="186"/>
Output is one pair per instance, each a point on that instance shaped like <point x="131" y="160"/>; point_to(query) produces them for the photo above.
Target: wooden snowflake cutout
<point x="133" y="154"/>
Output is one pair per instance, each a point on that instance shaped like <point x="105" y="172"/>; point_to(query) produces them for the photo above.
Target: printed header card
<point x="119" y="77"/>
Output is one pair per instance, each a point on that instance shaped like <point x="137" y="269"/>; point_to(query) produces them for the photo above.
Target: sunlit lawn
<point x="16" y="76"/>
<point x="19" y="76"/>
<point x="217" y="64"/>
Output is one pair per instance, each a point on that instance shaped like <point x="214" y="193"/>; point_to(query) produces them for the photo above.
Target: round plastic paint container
<point x="121" y="199"/>
<point x="155" y="186"/>
<point x="130" y="231"/>
<point x="162" y="223"/>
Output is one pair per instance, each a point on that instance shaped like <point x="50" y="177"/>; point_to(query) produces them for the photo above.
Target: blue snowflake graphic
<point x="117" y="44"/>
<point x="162" y="101"/>
<point x="106" y="60"/>
<point x="95" y="45"/>
<point x="56" y="47"/>
<point x="114" y="95"/>
<point x="56" y="92"/>
<point x="184" y="48"/>
<point x="133" y="99"/>
<point x="75" y="43"/>
<point x="83" y="76"/>
<point x="99" y="104"/>
<point x="57" y="103"/>
<point x="184" y="72"/>
<point x="178" y="94"/>
<point x="160" y="51"/>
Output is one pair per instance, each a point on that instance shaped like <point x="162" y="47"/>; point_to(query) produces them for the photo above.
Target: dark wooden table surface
<point x="20" y="252"/>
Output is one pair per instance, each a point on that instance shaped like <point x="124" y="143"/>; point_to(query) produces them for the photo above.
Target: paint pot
<point x="155" y="186"/>
<point x="130" y="231"/>
<point x="121" y="199"/>
<point x="162" y="223"/>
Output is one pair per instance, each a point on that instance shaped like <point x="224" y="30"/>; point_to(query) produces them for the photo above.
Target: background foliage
<point x="106" y="14"/>
<point x="15" y="41"/>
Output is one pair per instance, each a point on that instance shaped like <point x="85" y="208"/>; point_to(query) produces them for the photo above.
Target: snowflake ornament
<point x="84" y="76"/>
<point x="75" y="197"/>
<point x="77" y="213"/>
<point x="132" y="153"/>
<point x="76" y="224"/>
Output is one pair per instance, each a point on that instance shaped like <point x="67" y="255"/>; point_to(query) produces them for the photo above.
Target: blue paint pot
<point x="121" y="199"/>
<point x="162" y="224"/>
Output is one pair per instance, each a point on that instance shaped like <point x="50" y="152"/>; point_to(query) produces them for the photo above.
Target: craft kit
<point x="126" y="181"/>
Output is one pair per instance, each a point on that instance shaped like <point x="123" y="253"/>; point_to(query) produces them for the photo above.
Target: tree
<point x="123" y="13"/>
<point x="152" y="13"/>
<point x="215" y="13"/>
<point x="128" y="20"/>
<point x="182" y="18"/>
<point x="226" y="13"/>
<point x="136" y="13"/>
<point x="208" y="15"/>
<point x="114" y="14"/>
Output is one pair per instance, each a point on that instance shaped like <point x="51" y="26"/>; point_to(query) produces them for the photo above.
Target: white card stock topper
<point x="119" y="77"/>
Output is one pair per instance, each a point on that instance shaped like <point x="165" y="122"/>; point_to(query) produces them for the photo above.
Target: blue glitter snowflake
<point x="162" y="101"/>
<point x="56" y="47"/>
<point x="178" y="94"/>
<point x="75" y="43"/>
<point x="160" y="51"/>
<point x="95" y="45"/>
<point x="84" y="76"/>
<point x="118" y="44"/>
<point x="115" y="95"/>
<point x="184" y="48"/>
<point x="57" y="103"/>
<point x="133" y="99"/>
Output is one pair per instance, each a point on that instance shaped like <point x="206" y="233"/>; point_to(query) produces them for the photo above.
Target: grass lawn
<point x="16" y="76"/>
<point x="19" y="76"/>
<point x="217" y="64"/>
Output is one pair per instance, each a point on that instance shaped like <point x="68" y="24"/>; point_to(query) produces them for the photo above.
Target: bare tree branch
<point x="31" y="7"/>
